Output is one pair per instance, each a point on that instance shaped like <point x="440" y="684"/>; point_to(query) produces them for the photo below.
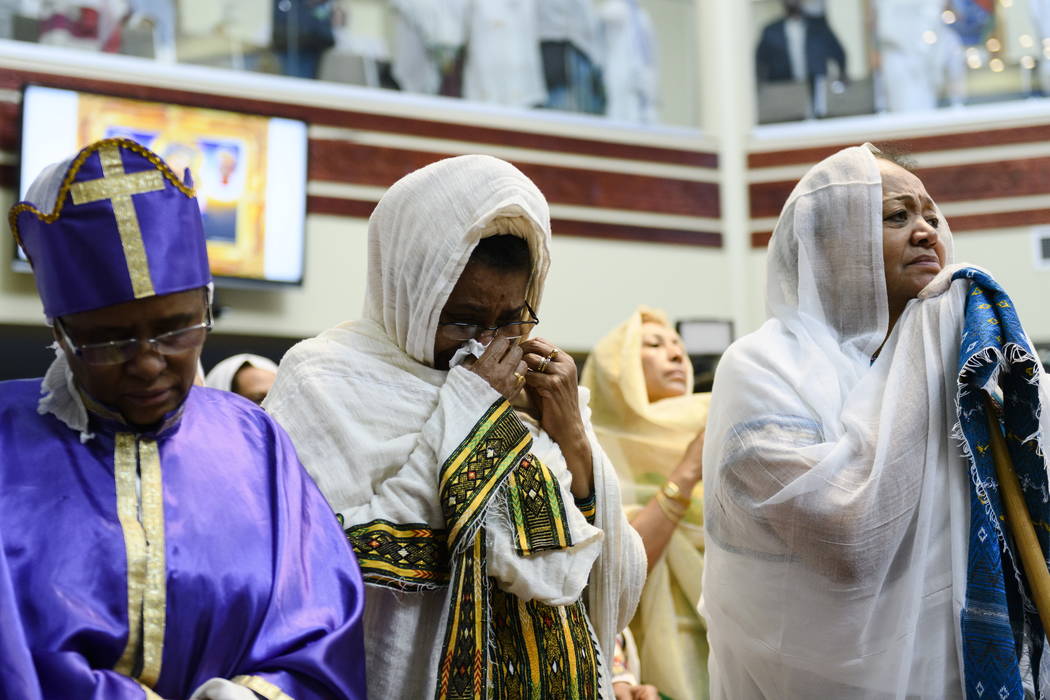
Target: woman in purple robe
<point x="159" y="540"/>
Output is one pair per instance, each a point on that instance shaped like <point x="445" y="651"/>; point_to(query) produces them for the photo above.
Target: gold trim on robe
<point x="137" y="470"/>
<point x="125" y="467"/>
<point x="150" y="695"/>
<point x="154" y="606"/>
<point x="263" y="687"/>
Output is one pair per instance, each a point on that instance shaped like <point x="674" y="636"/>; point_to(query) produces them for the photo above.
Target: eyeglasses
<point x="115" y="352"/>
<point x="514" y="329"/>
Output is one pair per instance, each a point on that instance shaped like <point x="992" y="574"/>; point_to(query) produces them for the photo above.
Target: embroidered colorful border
<point x="541" y="651"/>
<point x="403" y="556"/>
<point x="536" y="508"/>
<point x="471" y="475"/>
<point x="588" y="507"/>
<point x="463" y="674"/>
<point x="998" y="617"/>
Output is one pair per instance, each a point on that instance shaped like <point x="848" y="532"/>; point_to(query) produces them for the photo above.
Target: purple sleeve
<point x="67" y="674"/>
<point x="310" y="644"/>
<point x="17" y="673"/>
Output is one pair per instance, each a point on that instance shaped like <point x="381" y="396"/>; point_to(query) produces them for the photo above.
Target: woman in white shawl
<point x="249" y="375"/>
<point x="470" y="519"/>
<point x="837" y="503"/>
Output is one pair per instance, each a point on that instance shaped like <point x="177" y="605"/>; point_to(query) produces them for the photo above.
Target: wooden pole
<point x="1019" y="519"/>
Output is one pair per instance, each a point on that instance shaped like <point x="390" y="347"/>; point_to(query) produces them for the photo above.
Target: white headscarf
<point x="222" y="375"/>
<point x="417" y="252"/>
<point x="373" y="421"/>
<point x="836" y="500"/>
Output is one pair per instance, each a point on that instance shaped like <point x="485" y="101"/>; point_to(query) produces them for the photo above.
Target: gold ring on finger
<point x="543" y="365"/>
<point x="519" y="378"/>
<point x="554" y="353"/>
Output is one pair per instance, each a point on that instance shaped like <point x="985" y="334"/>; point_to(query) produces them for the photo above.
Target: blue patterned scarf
<point x="999" y="619"/>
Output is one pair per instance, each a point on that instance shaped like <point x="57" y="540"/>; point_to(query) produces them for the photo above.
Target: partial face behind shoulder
<point x="150" y="384"/>
<point x="663" y="362"/>
<point x="253" y="383"/>
<point x="913" y="248"/>
<point x="485" y="296"/>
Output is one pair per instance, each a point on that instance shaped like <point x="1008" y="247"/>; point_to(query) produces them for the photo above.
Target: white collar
<point x="60" y="398"/>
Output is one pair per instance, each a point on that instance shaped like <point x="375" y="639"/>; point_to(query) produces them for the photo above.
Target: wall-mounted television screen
<point x="249" y="170"/>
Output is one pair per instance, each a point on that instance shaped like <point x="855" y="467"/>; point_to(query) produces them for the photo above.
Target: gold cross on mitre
<point x="118" y="186"/>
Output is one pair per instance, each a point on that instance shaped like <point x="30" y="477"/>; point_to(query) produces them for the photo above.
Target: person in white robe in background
<point x="629" y="64"/>
<point x="571" y="48"/>
<point x="1040" y="13"/>
<point x="503" y="64"/>
<point x="471" y="519"/>
<point x="921" y="57"/>
<point x="428" y="34"/>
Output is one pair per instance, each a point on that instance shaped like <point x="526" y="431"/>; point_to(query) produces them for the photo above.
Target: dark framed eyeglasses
<point x="515" y="329"/>
<point x="115" y="352"/>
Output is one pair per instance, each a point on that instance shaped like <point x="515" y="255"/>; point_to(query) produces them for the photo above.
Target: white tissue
<point x="471" y="348"/>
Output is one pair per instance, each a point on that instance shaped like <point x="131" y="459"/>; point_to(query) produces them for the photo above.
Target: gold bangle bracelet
<point x="674" y="492"/>
<point x="669" y="507"/>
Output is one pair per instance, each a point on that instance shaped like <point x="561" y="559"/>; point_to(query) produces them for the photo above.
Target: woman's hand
<point x="501" y="365"/>
<point x="552" y="386"/>
<point x="626" y="691"/>
<point x="690" y="471"/>
<point x="654" y="524"/>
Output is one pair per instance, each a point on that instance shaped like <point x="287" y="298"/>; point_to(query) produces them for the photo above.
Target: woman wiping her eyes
<point x="485" y="516"/>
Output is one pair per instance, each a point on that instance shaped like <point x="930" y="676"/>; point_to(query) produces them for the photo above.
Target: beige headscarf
<point x="646" y="442"/>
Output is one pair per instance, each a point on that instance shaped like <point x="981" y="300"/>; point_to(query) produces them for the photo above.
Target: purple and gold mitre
<point x="120" y="226"/>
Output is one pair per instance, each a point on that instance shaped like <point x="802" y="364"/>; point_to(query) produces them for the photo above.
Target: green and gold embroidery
<point x="536" y="508"/>
<point x="471" y="475"/>
<point x="518" y="649"/>
<point x="463" y="674"/>
<point x="401" y="556"/>
<point x="541" y="651"/>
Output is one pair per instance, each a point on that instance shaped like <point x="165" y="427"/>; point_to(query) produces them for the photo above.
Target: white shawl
<point x="836" y="499"/>
<point x="373" y="422"/>
<point x="222" y="375"/>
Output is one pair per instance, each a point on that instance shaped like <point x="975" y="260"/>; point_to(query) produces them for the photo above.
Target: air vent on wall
<point x="1041" y="245"/>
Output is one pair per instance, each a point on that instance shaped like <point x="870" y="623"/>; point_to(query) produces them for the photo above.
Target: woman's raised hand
<point x="501" y="365"/>
<point x="690" y="471"/>
<point x="551" y="384"/>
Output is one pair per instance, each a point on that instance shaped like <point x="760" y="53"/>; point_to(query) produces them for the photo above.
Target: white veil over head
<point x="424" y="229"/>
<point x="825" y="272"/>
<point x="374" y="423"/>
<point x="836" y="502"/>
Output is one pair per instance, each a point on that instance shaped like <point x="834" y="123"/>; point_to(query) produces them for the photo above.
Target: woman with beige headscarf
<point x="648" y="422"/>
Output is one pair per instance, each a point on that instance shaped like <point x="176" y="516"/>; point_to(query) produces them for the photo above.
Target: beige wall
<point x="592" y="286"/>
<point x="1009" y="255"/>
